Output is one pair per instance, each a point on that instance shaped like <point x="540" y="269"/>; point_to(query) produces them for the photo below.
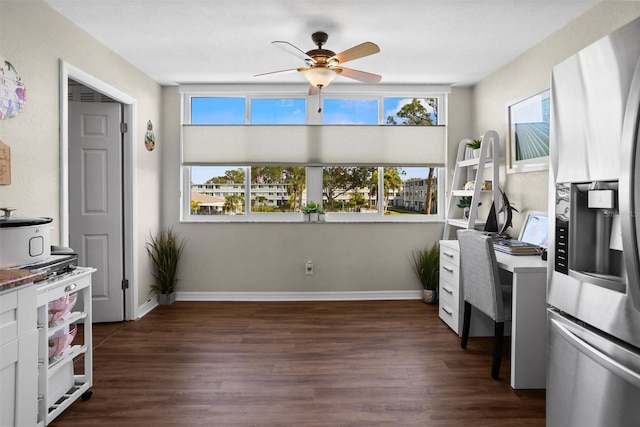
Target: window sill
<point x="338" y="219"/>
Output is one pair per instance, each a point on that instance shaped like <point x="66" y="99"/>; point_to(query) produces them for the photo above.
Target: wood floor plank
<point x="356" y="363"/>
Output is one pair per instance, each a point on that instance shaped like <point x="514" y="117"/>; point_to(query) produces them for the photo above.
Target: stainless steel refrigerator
<point x="593" y="370"/>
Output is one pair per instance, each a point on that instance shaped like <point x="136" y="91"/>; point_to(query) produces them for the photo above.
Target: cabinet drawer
<point x="449" y="273"/>
<point x="17" y="313"/>
<point x="449" y="294"/>
<point x="59" y="289"/>
<point x="449" y="255"/>
<point x="449" y="315"/>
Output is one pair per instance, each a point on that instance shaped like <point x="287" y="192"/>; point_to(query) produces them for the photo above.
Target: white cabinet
<point x="58" y="383"/>
<point x="18" y="357"/>
<point x="451" y="294"/>
<point x="449" y="291"/>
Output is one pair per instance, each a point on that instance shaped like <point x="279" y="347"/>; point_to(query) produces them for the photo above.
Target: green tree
<point x="235" y="176"/>
<point x="373" y="187"/>
<point x="338" y="180"/>
<point x="267" y="174"/>
<point x="416" y="114"/>
<point x="392" y="183"/>
<point x="232" y="202"/>
<point x="258" y="202"/>
<point x="195" y="207"/>
<point x="357" y="200"/>
<point x="296" y="180"/>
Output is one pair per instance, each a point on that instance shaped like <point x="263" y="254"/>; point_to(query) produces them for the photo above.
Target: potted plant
<point x="313" y="212"/>
<point x="426" y="266"/>
<point x="474" y="145"/>
<point x="464" y="203"/>
<point x="165" y="249"/>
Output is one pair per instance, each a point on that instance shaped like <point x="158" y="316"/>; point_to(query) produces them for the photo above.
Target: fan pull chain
<point x="320" y="99"/>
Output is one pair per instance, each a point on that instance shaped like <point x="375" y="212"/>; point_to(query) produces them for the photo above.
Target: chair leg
<point x="466" y="323"/>
<point x="497" y="350"/>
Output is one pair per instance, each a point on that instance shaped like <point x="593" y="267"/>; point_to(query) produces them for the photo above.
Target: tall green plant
<point x="165" y="249"/>
<point x="426" y="266"/>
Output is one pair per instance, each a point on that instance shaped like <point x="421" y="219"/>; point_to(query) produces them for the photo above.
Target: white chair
<point x="482" y="289"/>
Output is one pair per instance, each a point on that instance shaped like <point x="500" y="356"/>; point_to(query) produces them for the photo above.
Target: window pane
<point x="278" y="111"/>
<point x="277" y="188"/>
<point x="350" y="189"/>
<point x="218" y="111"/>
<point x="217" y="190"/>
<point x="411" y="191"/>
<point x="408" y="111"/>
<point x="350" y="112"/>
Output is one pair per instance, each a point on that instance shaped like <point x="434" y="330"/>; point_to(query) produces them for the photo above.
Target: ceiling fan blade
<point x="362" y="76"/>
<point x="359" y="51"/>
<point x="288" y="47"/>
<point x="289" y="71"/>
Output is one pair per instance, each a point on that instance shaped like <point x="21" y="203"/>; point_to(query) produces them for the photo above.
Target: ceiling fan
<point x="324" y="65"/>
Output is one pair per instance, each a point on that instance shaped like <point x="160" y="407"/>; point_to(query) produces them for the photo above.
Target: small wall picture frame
<point x="528" y="136"/>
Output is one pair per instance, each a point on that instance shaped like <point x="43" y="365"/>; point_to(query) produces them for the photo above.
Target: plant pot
<point x="322" y="218"/>
<point x="306" y="217"/>
<point x="167" y="299"/>
<point x="314" y="216"/>
<point x="429" y="296"/>
<point x="476" y="153"/>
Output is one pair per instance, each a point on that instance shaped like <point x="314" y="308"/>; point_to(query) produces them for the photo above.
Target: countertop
<point x="13" y="278"/>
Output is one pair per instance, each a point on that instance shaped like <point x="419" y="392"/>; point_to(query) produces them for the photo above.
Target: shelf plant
<point x="464" y="203"/>
<point x="474" y="144"/>
<point x="165" y="250"/>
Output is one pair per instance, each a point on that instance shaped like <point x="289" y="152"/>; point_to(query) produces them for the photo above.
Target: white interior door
<point x="95" y="201"/>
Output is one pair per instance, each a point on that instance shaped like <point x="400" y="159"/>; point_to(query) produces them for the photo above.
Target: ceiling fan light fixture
<point x="320" y="77"/>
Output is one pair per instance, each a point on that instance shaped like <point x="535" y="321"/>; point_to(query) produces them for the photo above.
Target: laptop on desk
<point x="532" y="239"/>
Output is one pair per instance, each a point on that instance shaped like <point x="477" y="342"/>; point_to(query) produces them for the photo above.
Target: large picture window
<point x="235" y="174"/>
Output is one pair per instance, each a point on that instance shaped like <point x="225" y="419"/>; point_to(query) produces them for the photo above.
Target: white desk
<point x="529" y="319"/>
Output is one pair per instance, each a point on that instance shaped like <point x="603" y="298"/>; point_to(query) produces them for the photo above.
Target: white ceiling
<point x="228" y="41"/>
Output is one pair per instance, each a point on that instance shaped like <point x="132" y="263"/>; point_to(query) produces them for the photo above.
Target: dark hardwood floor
<point x="364" y="363"/>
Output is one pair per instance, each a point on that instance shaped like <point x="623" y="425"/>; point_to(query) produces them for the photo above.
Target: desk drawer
<point x="449" y="255"/>
<point x="449" y="315"/>
<point x="449" y="294"/>
<point x="449" y="273"/>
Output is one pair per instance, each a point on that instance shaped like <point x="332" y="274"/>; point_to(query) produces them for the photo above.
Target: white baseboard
<point x="299" y="296"/>
<point x="145" y="308"/>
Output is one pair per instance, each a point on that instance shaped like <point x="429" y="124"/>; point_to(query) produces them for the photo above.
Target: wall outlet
<point x="308" y="268"/>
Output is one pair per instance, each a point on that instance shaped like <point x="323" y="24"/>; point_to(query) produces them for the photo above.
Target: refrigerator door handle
<point x="629" y="185"/>
<point x="597" y="356"/>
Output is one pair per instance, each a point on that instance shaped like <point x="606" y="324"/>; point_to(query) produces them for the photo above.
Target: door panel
<point x="95" y="201"/>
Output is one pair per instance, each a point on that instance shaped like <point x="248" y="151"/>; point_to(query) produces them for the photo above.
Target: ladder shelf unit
<point x="473" y="170"/>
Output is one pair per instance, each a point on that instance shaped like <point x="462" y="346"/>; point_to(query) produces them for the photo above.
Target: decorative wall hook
<point x="149" y="137"/>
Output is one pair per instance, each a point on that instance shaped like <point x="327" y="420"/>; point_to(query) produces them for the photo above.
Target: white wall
<point x="531" y="73"/>
<point x="34" y="37"/>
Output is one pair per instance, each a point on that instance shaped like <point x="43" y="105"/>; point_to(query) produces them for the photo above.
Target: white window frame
<point x="313" y="173"/>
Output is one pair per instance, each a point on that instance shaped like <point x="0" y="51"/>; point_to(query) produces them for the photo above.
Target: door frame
<point x="129" y="108"/>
